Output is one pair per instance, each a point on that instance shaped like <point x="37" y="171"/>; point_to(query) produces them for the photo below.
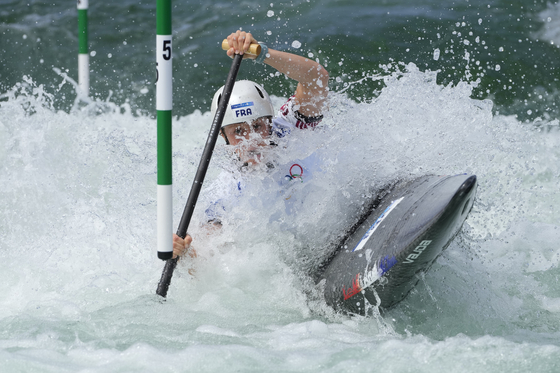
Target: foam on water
<point x="551" y="24"/>
<point x="77" y="240"/>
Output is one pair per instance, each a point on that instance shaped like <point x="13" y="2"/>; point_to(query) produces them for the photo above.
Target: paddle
<point x="170" y="264"/>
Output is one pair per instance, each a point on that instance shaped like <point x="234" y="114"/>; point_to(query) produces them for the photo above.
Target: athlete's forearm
<point x="304" y="70"/>
<point x="313" y="79"/>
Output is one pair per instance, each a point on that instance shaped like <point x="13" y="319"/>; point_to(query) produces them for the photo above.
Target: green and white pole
<point x="164" y="105"/>
<point x="83" y="51"/>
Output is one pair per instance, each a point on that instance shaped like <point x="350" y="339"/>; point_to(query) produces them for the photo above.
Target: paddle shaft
<point x="170" y="264"/>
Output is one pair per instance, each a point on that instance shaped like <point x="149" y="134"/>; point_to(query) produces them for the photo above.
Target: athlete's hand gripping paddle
<point x="170" y="264"/>
<point x="253" y="51"/>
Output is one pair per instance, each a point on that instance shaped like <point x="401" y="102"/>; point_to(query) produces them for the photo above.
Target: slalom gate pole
<point x="170" y="265"/>
<point x="83" y="49"/>
<point x="164" y="105"/>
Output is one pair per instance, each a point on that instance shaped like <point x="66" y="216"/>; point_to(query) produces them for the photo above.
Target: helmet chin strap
<point x="224" y="134"/>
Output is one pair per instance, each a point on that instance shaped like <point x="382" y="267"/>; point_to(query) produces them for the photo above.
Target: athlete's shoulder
<point x="288" y="118"/>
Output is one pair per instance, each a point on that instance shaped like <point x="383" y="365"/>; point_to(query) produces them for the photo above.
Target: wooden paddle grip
<point x="254" y="49"/>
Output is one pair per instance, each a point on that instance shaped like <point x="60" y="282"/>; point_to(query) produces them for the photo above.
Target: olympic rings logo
<point x="293" y="175"/>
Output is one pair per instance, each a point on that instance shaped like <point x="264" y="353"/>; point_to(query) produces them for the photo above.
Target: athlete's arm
<point x="312" y="78"/>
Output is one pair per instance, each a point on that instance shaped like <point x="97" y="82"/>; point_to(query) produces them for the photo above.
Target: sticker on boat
<point x="374" y="226"/>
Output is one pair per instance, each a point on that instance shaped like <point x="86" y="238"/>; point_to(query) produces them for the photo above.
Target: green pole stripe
<point x="83" y="31"/>
<point x="164" y="147"/>
<point x="163" y="17"/>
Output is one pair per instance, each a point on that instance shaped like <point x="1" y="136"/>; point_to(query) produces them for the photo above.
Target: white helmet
<point x="248" y="101"/>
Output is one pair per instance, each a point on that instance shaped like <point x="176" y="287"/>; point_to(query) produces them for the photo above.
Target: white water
<point x="78" y="266"/>
<point x="551" y="24"/>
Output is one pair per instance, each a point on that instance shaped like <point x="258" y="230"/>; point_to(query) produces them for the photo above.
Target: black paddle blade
<point x="166" y="275"/>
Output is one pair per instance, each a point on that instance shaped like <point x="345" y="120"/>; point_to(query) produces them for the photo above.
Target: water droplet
<point x="270" y="13"/>
<point x="296" y="44"/>
<point x="436" y="54"/>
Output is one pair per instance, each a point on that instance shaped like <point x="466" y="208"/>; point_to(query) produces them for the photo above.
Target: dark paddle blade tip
<point x="166" y="275"/>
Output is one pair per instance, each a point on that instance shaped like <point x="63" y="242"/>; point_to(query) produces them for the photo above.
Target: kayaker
<point x="250" y="122"/>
